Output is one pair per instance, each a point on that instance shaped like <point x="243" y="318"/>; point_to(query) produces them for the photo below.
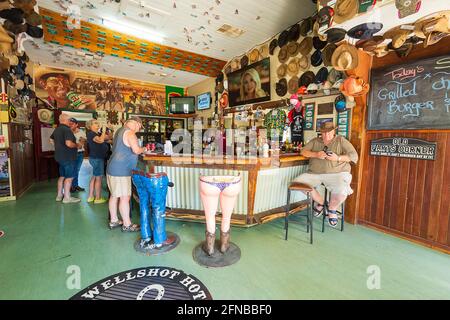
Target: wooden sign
<point x="415" y="95"/>
<point x="400" y="147"/>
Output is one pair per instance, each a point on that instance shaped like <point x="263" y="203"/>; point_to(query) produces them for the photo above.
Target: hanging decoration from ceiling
<point x="102" y="41"/>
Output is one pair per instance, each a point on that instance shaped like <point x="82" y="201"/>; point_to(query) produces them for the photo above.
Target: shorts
<point x="98" y="167"/>
<point x="67" y="169"/>
<point x="337" y="183"/>
<point x="119" y="186"/>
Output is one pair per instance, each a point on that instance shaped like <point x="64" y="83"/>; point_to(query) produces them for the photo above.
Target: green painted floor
<point x="43" y="238"/>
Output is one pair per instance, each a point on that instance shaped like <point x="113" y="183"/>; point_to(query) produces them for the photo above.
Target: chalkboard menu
<point x="415" y="95"/>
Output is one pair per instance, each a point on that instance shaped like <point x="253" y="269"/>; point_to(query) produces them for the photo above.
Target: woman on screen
<point x="251" y="86"/>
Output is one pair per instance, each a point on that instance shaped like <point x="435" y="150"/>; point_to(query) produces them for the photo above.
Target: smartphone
<point x="329" y="153"/>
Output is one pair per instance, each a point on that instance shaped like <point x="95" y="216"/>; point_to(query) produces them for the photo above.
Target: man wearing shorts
<point x="123" y="160"/>
<point x="329" y="164"/>
<point x="66" y="156"/>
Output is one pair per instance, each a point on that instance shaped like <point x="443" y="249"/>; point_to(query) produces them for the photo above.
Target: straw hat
<point x="45" y="116"/>
<point x="283" y="55"/>
<point x="399" y="35"/>
<point x="304" y="63"/>
<point x="345" y="10"/>
<point x="253" y="56"/>
<point x="306" y="46"/>
<point x="354" y="86"/>
<point x="293" y="67"/>
<point x="264" y="51"/>
<point x="293" y="48"/>
<point x="282" y="70"/>
<point x="345" y="57"/>
<point x="327" y="53"/>
<point x="293" y="85"/>
<point x="436" y="22"/>
<point x="13" y="59"/>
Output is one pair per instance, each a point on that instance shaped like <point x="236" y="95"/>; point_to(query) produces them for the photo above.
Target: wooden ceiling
<point x="99" y="40"/>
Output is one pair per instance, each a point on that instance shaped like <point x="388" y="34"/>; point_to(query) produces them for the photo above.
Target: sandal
<point x="332" y="221"/>
<point x="115" y="224"/>
<point x="318" y="213"/>
<point x="131" y="228"/>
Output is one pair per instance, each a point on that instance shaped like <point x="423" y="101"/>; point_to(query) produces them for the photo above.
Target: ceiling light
<point x="134" y="31"/>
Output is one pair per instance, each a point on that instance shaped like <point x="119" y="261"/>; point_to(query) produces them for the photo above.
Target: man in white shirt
<point x="80" y="137"/>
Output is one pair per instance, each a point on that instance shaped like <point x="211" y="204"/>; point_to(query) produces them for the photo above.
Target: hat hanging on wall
<point x="325" y="16"/>
<point x="223" y="101"/>
<point x="345" y="57"/>
<point x="365" y="30"/>
<point x="321" y="75"/>
<point x="306" y="26"/>
<point x="282" y="70"/>
<point x="234" y="64"/>
<point x="335" y="75"/>
<point x="45" y="116"/>
<point x="312" y="88"/>
<point x="294" y="32"/>
<point x="304" y="63"/>
<point x="254" y="56"/>
<point x="339" y="103"/>
<point x="264" y="51"/>
<point x="370" y="44"/>
<point x="272" y="46"/>
<point x="436" y="22"/>
<point x="366" y="5"/>
<point x="316" y="32"/>
<point x="228" y="69"/>
<point x="244" y="61"/>
<point x="345" y="10"/>
<point x="354" y="86"/>
<point x="335" y="35"/>
<point x="407" y="7"/>
<point x="399" y="35"/>
<point x="306" y="78"/>
<point x="293" y="67"/>
<point x="283" y="55"/>
<point x="281" y="87"/>
<point x="327" y="53"/>
<point x="404" y="50"/>
<point x="283" y="38"/>
<point x="293" y="85"/>
<point x="306" y="46"/>
<point x="293" y="48"/>
<point x="318" y="44"/>
<point x="316" y="58"/>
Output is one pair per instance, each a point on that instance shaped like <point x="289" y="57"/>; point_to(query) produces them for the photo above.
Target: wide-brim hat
<point x="272" y="46"/>
<point x="399" y="35"/>
<point x="19" y="84"/>
<point x="5" y="5"/>
<point x="321" y="75"/>
<point x="306" y="26"/>
<point x="281" y="87"/>
<point x="433" y="38"/>
<point x="365" y="30"/>
<point x="294" y="32"/>
<point x="335" y="35"/>
<point x="4" y="63"/>
<point x="306" y="79"/>
<point x="293" y="67"/>
<point x="345" y="10"/>
<point x="283" y="55"/>
<point x="306" y="46"/>
<point x="354" y="86"/>
<point x="293" y="85"/>
<point x="14" y="15"/>
<point x="223" y="101"/>
<point x="283" y="39"/>
<point x="14" y="28"/>
<point x="318" y="44"/>
<point x="13" y="59"/>
<point x="44" y="73"/>
<point x="431" y="23"/>
<point x="35" y="32"/>
<point x="253" y="56"/>
<point x="381" y="51"/>
<point x="45" y="116"/>
<point x="282" y="70"/>
<point x="327" y="53"/>
<point x="304" y="63"/>
<point x="404" y="50"/>
<point x="327" y="126"/>
<point x="244" y="61"/>
<point x="335" y="75"/>
<point x="264" y="51"/>
<point x="370" y="44"/>
<point x="316" y="58"/>
<point x="293" y="48"/>
<point x="407" y="7"/>
<point x="345" y="57"/>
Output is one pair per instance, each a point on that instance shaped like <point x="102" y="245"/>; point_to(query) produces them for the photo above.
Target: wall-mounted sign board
<point x="415" y="95"/>
<point x="401" y="147"/>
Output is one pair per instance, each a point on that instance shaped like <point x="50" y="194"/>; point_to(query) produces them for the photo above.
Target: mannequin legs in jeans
<point x="211" y="188"/>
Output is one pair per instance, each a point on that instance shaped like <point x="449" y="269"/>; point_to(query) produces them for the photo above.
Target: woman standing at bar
<point x="98" y="149"/>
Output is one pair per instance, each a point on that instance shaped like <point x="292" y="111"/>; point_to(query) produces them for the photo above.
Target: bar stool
<point x="340" y="214"/>
<point x="295" y="186"/>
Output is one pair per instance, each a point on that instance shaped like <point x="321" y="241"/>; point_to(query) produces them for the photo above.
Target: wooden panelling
<point x="408" y="196"/>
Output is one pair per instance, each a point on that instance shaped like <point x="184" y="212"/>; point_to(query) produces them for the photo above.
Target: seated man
<point x="329" y="163"/>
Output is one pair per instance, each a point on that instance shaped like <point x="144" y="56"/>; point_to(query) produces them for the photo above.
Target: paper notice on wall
<point x="45" y="139"/>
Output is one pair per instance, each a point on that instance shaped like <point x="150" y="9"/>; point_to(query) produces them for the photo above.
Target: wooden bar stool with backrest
<point x="340" y="214"/>
<point x="295" y="186"/>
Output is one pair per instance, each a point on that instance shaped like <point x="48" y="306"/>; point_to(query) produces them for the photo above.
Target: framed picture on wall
<point x="320" y="121"/>
<point x="309" y="115"/>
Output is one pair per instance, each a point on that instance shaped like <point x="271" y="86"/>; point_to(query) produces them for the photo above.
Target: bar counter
<point x="264" y="187"/>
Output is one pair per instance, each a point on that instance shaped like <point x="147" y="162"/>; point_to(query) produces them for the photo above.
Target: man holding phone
<point x="329" y="163"/>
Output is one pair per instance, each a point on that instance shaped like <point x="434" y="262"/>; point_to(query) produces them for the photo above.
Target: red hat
<point x="302" y="90"/>
<point x="354" y="86"/>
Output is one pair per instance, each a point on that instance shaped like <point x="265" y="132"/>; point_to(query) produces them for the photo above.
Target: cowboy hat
<point x="272" y="46"/>
<point x="42" y="74"/>
<point x="321" y="75"/>
<point x="283" y="55"/>
<point x="369" y="44"/>
<point x="244" y="61"/>
<point x="281" y="87"/>
<point x="294" y="32"/>
<point x="283" y="38"/>
<point x="335" y="75"/>
<point x="304" y="63"/>
<point x="316" y="58"/>
<point x="4" y="37"/>
<point x="432" y="23"/>
<point x="264" y="51"/>
<point x="354" y="86"/>
<point x="345" y="57"/>
<point x="327" y="53"/>
<point x="293" y="48"/>
<point x="293" y="67"/>
<point x="45" y="116"/>
<point x="14" y="15"/>
<point x="4" y="63"/>
<point x="398" y="35"/>
<point x="306" y="26"/>
<point x="327" y="126"/>
<point x="253" y="56"/>
<point x="335" y="35"/>
<point x="433" y="38"/>
<point x="381" y="51"/>
<point x="282" y="70"/>
<point x="324" y="16"/>
<point x="306" y="46"/>
<point x="306" y="78"/>
<point x="318" y="44"/>
<point x="345" y="10"/>
<point x="19" y="84"/>
<point x="293" y="85"/>
<point x="365" y="30"/>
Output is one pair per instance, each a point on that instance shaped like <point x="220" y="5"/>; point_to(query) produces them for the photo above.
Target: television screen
<point x="204" y="101"/>
<point x="250" y="84"/>
<point x="182" y="105"/>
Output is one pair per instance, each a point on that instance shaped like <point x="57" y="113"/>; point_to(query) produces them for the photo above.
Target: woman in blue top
<point x="98" y="149"/>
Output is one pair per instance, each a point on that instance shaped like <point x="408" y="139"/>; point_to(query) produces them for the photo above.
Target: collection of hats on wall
<point x="20" y="22"/>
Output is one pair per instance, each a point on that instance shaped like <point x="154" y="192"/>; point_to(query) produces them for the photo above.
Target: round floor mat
<point x="218" y="259"/>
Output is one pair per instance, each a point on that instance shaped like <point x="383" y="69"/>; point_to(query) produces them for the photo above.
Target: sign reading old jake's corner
<point x="403" y="148"/>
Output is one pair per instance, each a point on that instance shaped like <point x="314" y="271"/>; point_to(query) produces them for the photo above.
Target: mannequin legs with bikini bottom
<point x="227" y="188"/>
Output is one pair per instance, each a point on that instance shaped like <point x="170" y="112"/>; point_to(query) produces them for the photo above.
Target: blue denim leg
<point x="158" y="193"/>
<point x="139" y="182"/>
<point x="78" y="164"/>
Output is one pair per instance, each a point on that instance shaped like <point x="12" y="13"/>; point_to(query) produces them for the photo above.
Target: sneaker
<point x="71" y="200"/>
<point x="59" y="198"/>
<point x="101" y="200"/>
<point x="78" y="188"/>
<point x="91" y="199"/>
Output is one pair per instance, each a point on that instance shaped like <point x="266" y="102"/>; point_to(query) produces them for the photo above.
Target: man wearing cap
<point x="329" y="164"/>
<point x="123" y="160"/>
<point x="80" y="137"/>
<point x="66" y="155"/>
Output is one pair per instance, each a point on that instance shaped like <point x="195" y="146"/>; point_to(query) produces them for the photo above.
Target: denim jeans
<point x="78" y="163"/>
<point x="153" y="188"/>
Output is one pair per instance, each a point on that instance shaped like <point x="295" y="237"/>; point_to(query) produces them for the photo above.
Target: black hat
<point x="318" y="44"/>
<point x="281" y="87"/>
<point x="324" y="16"/>
<point x="73" y="120"/>
<point x="321" y="75"/>
<point x="272" y="46"/>
<point x="294" y="32"/>
<point x="283" y="38"/>
<point x="306" y="79"/>
<point x="34" y="32"/>
<point x="244" y="61"/>
<point x="365" y="30"/>
<point x="335" y="35"/>
<point x="14" y="15"/>
<point x="306" y="26"/>
<point x="316" y="58"/>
